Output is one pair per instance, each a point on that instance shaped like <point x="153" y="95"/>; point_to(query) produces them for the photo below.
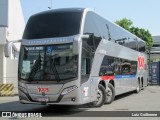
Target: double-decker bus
<point x="74" y="56"/>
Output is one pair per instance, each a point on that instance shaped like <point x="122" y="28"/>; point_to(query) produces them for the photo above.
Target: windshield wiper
<point x="35" y="68"/>
<point x="53" y="68"/>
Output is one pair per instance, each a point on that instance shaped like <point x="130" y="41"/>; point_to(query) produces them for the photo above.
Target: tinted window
<point x="117" y="66"/>
<point x="90" y="26"/>
<point x="141" y="46"/>
<point x="128" y="67"/>
<point x="108" y="66"/>
<point x="86" y="62"/>
<point x="53" y="24"/>
<point x="97" y="25"/>
<point x="101" y="24"/>
<point x="48" y="63"/>
<point x="132" y="44"/>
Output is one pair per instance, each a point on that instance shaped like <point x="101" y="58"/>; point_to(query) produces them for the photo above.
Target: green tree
<point x="139" y="32"/>
<point x="143" y="34"/>
<point x="125" y="23"/>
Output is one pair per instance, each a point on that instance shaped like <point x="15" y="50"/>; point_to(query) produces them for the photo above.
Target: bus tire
<point x="101" y="97"/>
<point x="110" y="94"/>
<point x="138" y="88"/>
<point x="142" y="85"/>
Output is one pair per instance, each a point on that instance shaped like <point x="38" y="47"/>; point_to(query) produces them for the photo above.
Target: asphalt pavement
<point x="145" y="102"/>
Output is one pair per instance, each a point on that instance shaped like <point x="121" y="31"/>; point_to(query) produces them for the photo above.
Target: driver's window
<point x="85" y="65"/>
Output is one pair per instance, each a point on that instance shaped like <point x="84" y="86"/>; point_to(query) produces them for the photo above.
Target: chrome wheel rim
<point x="99" y="96"/>
<point x="109" y="94"/>
<point x="138" y="87"/>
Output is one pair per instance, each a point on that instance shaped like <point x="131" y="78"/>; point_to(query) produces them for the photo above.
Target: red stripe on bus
<point x="107" y="77"/>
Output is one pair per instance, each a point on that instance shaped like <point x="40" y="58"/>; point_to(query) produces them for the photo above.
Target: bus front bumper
<point x="71" y="98"/>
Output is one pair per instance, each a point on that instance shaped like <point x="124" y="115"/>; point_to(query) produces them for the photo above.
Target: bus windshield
<point x="53" y="24"/>
<point x="48" y="63"/>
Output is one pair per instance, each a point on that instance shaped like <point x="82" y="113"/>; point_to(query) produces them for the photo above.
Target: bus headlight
<point x="22" y="89"/>
<point x="68" y="90"/>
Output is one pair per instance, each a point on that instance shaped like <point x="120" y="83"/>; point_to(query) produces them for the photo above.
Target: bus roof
<point x="61" y="10"/>
<point x="82" y="10"/>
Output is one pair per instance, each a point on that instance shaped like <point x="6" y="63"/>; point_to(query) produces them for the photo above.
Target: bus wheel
<point x="142" y="86"/>
<point x="110" y="94"/>
<point x="138" y="87"/>
<point x="101" y="97"/>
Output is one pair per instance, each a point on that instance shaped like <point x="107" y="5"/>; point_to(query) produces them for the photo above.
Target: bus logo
<point x="141" y="62"/>
<point x="42" y="89"/>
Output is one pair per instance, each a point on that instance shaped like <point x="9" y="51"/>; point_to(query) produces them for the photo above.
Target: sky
<point x="143" y="13"/>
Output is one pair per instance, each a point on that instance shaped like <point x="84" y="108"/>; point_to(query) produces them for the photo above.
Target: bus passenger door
<point x="86" y="62"/>
<point x="85" y="84"/>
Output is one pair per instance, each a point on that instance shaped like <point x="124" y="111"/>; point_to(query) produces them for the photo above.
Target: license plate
<point x="43" y="99"/>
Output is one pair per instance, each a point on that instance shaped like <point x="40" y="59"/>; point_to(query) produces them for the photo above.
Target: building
<point x="11" y="28"/>
<point x="155" y="50"/>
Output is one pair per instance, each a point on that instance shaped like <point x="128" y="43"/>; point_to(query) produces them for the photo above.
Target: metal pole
<point x="50" y="6"/>
<point x="150" y="64"/>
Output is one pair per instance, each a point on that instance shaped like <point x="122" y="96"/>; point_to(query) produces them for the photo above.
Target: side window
<point x="132" y="45"/>
<point x="133" y="68"/>
<point x="85" y="66"/>
<point x="91" y="28"/>
<point x="128" y="67"/>
<point x="141" y="46"/>
<point x="85" y="63"/>
<point x="97" y="25"/>
<point x="107" y="66"/>
<point x="102" y="26"/>
<point x="125" y="68"/>
<point x="116" y="66"/>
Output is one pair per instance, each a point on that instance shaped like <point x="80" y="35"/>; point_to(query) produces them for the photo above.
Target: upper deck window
<point x="53" y="24"/>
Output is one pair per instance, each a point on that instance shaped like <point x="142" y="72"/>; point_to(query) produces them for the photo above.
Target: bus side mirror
<point x="7" y="49"/>
<point x="86" y="36"/>
<point x="76" y="44"/>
